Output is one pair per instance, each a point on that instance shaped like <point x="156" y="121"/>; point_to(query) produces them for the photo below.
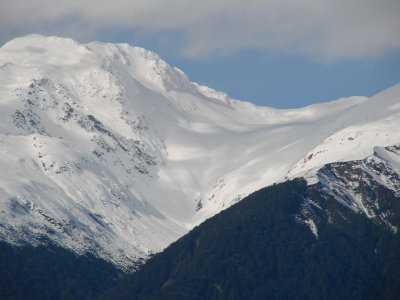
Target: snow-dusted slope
<point x="106" y="148"/>
<point x="374" y="123"/>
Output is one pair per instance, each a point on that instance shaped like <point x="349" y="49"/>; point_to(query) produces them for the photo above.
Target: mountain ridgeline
<point x="287" y="241"/>
<point x="108" y="155"/>
<point x="105" y="148"/>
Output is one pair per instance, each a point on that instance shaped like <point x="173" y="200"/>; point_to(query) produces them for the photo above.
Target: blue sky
<point x="279" y="53"/>
<point x="291" y="81"/>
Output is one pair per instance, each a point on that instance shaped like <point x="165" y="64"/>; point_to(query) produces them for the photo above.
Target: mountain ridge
<point x="119" y="154"/>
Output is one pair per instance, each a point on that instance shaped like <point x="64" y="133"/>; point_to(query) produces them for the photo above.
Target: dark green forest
<point x="51" y="272"/>
<point x="257" y="250"/>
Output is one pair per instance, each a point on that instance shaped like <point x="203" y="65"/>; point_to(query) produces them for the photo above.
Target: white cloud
<point x="327" y="30"/>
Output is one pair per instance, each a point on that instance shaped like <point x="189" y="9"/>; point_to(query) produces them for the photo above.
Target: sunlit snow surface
<point x="106" y="148"/>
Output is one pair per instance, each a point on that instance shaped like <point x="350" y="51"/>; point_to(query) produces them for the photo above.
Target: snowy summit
<point x="108" y="149"/>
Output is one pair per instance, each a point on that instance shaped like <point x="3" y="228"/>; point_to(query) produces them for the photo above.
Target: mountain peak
<point x="147" y="66"/>
<point x="32" y="40"/>
<point x="118" y="148"/>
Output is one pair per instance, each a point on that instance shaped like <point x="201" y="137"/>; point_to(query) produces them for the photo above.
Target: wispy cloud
<point x="327" y="30"/>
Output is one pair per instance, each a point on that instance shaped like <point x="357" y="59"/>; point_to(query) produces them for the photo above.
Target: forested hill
<point x="53" y="273"/>
<point x="261" y="248"/>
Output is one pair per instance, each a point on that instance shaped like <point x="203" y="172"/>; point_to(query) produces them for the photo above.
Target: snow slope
<point x="106" y="148"/>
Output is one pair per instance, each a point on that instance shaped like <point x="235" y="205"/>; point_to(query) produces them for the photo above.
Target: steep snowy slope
<point x="358" y="131"/>
<point x="106" y="148"/>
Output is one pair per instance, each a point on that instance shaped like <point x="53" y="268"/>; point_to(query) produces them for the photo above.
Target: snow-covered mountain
<point x="108" y="149"/>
